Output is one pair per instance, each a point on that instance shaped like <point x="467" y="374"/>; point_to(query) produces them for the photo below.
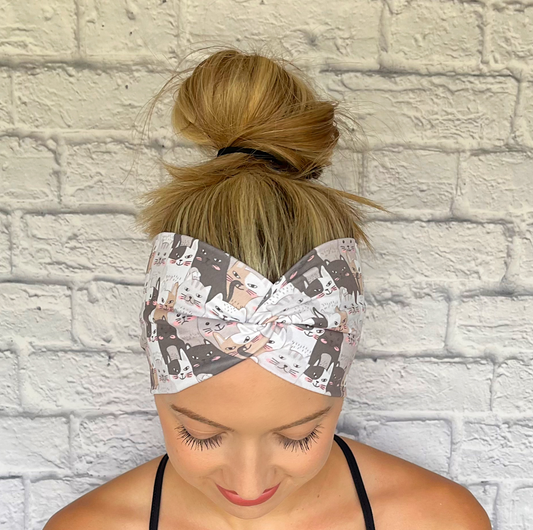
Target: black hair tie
<point x="266" y="156"/>
<point x="254" y="152"/>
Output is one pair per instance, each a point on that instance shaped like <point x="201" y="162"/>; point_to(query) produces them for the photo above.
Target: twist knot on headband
<point x="204" y="311"/>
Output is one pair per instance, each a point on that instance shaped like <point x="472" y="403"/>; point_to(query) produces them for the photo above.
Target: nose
<point x="249" y="472"/>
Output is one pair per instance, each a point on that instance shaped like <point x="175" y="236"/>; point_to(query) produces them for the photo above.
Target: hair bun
<point x="256" y="202"/>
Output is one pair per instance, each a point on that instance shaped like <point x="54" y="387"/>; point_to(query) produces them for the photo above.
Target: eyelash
<point x="214" y="441"/>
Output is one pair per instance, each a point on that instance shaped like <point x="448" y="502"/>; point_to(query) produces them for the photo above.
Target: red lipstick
<point x="235" y="499"/>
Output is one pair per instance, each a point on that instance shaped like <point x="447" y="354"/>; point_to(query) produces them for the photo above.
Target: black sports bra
<point x="356" y="475"/>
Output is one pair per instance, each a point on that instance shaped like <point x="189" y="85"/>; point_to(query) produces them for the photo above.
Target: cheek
<point x="310" y="463"/>
<point x="190" y="464"/>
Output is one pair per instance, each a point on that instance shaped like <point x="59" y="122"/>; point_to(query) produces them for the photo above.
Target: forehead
<point x="247" y="393"/>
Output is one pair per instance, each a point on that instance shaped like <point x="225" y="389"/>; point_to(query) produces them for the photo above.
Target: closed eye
<point x="302" y="444"/>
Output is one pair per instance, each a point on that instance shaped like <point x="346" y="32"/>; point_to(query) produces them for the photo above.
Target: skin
<point x="250" y="459"/>
<point x="316" y="487"/>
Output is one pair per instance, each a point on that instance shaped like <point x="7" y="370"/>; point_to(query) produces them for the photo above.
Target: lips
<point x="235" y="499"/>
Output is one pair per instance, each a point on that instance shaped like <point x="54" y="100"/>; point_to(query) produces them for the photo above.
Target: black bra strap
<point x="156" y="497"/>
<point x="356" y="475"/>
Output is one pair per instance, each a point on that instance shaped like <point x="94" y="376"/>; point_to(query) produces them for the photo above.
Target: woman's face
<point x="246" y="451"/>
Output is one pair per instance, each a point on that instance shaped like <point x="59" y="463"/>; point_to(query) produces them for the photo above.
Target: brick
<point x="437" y="32"/>
<point x="521" y="508"/>
<point x="37" y="28"/>
<point x="436" y="251"/>
<point x="497" y="182"/>
<point x="317" y="28"/>
<point x="412" y="325"/>
<point x="513" y="386"/>
<point x="499" y="450"/>
<point x="503" y="322"/>
<point x="9" y="388"/>
<point x="425" y="443"/>
<point x="12" y="504"/>
<point x="110" y="173"/>
<point x="423" y="384"/>
<point x="48" y="496"/>
<point x="38" y="312"/>
<point x="33" y="444"/>
<point x="6" y="98"/>
<point x="66" y="97"/>
<point x="107" y="446"/>
<point x="77" y="381"/>
<point x="149" y="28"/>
<point x="97" y="310"/>
<point x="458" y="112"/>
<point x="409" y="179"/>
<point x="27" y="172"/>
<point x="511" y="36"/>
<point x="75" y="243"/>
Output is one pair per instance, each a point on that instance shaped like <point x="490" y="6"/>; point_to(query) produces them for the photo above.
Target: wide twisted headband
<point x="204" y="311"/>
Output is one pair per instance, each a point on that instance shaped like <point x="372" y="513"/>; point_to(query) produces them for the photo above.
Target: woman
<point x="253" y="306"/>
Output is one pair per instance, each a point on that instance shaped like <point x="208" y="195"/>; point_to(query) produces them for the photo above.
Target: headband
<point x="204" y="311"/>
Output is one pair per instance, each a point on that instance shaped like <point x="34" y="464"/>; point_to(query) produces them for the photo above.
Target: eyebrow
<point x="198" y="417"/>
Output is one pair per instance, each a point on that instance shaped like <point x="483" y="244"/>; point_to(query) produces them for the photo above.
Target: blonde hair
<point x="264" y="217"/>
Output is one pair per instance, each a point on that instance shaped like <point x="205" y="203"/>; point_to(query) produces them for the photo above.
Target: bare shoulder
<point x="405" y="496"/>
<point x="123" y="502"/>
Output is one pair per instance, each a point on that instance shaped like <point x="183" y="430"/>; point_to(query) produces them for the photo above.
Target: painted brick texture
<point x="444" y="93"/>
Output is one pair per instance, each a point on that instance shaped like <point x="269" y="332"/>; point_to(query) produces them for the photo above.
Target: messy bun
<point x="264" y="215"/>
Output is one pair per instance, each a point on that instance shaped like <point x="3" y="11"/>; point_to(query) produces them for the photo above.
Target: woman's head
<point x="268" y="218"/>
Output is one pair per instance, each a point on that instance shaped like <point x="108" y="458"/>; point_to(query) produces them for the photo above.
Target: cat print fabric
<point x="204" y="311"/>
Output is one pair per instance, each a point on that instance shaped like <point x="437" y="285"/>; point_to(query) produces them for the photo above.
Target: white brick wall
<point x="444" y="91"/>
